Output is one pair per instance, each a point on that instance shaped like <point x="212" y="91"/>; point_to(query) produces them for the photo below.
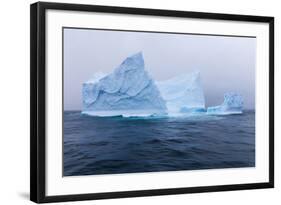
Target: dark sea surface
<point x="111" y="145"/>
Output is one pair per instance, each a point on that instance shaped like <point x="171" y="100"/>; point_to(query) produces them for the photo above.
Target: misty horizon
<point x="226" y="64"/>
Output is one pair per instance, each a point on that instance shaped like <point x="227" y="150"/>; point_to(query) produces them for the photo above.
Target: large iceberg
<point x="128" y="91"/>
<point x="233" y="104"/>
<point x="183" y="94"/>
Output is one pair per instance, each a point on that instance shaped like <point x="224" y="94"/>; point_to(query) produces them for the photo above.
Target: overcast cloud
<point x="225" y="63"/>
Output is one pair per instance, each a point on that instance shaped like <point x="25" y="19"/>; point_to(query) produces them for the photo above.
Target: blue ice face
<point x="128" y="90"/>
<point x="183" y="93"/>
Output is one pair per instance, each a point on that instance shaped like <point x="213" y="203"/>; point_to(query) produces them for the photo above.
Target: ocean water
<point x="111" y="145"/>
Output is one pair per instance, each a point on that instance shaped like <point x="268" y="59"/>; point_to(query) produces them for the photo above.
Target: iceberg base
<point x="220" y="111"/>
<point x="125" y="113"/>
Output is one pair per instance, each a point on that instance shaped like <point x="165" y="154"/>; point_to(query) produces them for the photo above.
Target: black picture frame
<point x="38" y="101"/>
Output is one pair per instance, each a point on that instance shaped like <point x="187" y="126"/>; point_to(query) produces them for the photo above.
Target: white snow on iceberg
<point x="233" y="104"/>
<point x="128" y="91"/>
<point x="183" y="94"/>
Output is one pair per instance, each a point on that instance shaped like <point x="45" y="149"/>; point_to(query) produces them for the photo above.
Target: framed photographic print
<point x="129" y="102"/>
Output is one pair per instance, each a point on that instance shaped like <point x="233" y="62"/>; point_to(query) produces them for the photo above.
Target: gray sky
<point x="225" y="63"/>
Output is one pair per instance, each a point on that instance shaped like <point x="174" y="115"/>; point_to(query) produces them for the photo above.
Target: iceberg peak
<point x="233" y="99"/>
<point x="133" y="62"/>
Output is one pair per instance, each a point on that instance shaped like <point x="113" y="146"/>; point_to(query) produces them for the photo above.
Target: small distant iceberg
<point x="129" y="91"/>
<point x="232" y="104"/>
